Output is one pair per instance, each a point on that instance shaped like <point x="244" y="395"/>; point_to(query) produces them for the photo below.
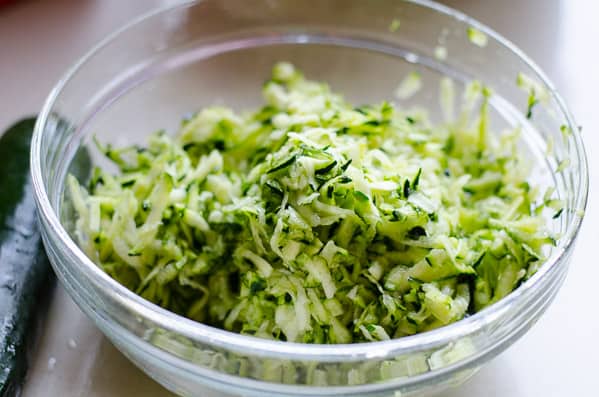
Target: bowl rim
<point x="255" y="346"/>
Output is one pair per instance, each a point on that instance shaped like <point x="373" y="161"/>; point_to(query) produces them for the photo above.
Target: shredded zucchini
<point x="409" y="86"/>
<point x="477" y="37"/>
<point x="394" y="25"/>
<point x="440" y="52"/>
<point x="311" y="220"/>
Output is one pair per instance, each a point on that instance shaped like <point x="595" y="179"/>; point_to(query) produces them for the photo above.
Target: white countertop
<point x="558" y="357"/>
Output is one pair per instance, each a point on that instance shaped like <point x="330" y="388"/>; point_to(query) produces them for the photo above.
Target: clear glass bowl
<point x="181" y="58"/>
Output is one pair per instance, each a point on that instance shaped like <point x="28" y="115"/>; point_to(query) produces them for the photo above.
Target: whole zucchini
<point x="25" y="274"/>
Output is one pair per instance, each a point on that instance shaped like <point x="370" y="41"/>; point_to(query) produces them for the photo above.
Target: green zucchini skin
<point x="25" y="273"/>
<point x="24" y="267"/>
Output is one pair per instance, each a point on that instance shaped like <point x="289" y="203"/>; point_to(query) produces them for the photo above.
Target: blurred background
<point x="40" y="39"/>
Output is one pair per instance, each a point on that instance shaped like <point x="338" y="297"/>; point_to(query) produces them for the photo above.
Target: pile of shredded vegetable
<point x="310" y="220"/>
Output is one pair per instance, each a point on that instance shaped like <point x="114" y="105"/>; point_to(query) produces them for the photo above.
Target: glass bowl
<point x="158" y="68"/>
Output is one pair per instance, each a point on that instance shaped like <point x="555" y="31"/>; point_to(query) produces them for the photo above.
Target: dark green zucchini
<point x="25" y="274"/>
